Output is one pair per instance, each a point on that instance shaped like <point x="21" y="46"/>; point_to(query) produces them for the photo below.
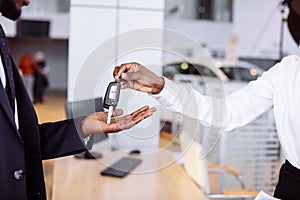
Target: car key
<point x="111" y="98"/>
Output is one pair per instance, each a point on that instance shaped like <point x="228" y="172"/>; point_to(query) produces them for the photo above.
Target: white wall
<point x="214" y="35"/>
<point x="104" y="34"/>
<point x="258" y="27"/>
<point x="256" y="23"/>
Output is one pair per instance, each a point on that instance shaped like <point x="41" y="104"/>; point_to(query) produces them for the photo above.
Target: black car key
<point x="111" y="98"/>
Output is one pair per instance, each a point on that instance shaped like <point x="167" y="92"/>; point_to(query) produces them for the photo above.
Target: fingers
<point x="130" y="76"/>
<point x="120" y="72"/>
<point x="132" y="119"/>
<point x="136" y="76"/>
<point x="125" y="85"/>
<point x="135" y="85"/>
<point x="139" y="111"/>
<point x="152" y="110"/>
<point x="117" y="112"/>
<point x="142" y="114"/>
<point x="149" y="112"/>
<point x="102" y="116"/>
<point x="96" y="122"/>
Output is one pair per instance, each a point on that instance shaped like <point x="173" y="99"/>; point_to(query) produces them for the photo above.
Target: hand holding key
<point x="102" y="122"/>
<point x="137" y="77"/>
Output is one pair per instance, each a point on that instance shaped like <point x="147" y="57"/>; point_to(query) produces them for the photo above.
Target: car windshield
<point x="187" y="68"/>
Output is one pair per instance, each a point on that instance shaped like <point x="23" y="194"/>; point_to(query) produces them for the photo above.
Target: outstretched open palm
<point x="96" y="122"/>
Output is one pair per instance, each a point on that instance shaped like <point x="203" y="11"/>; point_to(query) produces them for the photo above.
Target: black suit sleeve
<point x="61" y="139"/>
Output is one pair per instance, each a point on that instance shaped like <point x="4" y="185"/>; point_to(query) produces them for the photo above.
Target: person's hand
<point x="137" y="77"/>
<point x="96" y="122"/>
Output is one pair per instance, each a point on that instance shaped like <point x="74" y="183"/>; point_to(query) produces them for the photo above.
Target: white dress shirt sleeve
<point x="232" y="111"/>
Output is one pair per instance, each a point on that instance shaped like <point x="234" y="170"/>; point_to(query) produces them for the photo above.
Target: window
<point x="215" y="10"/>
<point x="46" y="6"/>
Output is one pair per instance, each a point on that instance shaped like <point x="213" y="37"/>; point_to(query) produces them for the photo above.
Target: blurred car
<point x="225" y="71"/>
<point x="239" y="70"/>
<point x="193" y="67"/>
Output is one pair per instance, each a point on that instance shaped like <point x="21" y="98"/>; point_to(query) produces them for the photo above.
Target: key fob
<point x="112" y="95"/>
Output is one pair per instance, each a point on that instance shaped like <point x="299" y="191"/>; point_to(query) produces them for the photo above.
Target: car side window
<point x="228" y="72"/>
<point x="204" y="71"/>
<point x="247" y="74"/>
<point x="187" y="68"/>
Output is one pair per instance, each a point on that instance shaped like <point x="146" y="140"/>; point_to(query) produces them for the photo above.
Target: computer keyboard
<point x="121" y="167"/>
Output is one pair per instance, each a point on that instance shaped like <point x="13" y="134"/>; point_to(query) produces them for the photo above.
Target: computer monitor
<point x="33" y="28"/>
<point x="84" y="108"/>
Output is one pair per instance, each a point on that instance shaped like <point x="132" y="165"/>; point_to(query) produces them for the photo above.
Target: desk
<point x="76" y="179"/>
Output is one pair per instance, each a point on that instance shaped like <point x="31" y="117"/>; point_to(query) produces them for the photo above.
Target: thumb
<point x="116" y="73"/>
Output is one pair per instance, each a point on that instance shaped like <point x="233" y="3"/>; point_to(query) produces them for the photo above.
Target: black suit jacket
<point x="23" y="150"/>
